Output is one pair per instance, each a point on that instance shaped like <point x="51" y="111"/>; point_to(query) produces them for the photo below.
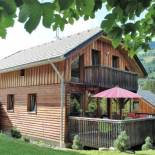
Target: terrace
<point x="100" y="129"/>
<point x="97" y="132"/>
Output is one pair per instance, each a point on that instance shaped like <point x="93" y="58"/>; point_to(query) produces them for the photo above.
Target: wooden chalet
<point x="38" y="86"/>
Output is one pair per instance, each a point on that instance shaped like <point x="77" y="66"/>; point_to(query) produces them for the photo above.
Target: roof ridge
<point x="52" y="41"/>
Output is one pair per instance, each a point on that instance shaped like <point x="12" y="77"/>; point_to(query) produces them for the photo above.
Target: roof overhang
<point x="140" y="65"/>
<point x="33" y="64"/>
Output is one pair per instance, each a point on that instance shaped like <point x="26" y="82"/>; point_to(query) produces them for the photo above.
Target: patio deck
<point x="96" y="132"/>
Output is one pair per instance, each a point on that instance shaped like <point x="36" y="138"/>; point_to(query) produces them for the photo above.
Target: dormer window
<point x="22" y="72"/>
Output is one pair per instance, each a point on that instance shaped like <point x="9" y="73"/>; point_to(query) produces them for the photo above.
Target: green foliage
<point x="10" y="146"/>
<point x="92" y="106"/>
<point x="148" y="144"/>
<point x="26" y="139"/>
<point x="15" y="133"/>
<point x="75" y="107"/>
<point x="121" y="143"/>
<point x="76" y="143"/>
<point x="121" y="22"/>
<point x="149" y="85"/>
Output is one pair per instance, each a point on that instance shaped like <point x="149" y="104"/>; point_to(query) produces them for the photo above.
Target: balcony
<point x="107" y="77"/>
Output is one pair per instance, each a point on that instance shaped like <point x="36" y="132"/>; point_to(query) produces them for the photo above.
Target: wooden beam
<point x="61" y="102"/>
<point x="109" y="107"/>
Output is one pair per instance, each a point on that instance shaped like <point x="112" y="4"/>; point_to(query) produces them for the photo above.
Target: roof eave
<point x="141" y="65"/>
<point x="33" y="64"/>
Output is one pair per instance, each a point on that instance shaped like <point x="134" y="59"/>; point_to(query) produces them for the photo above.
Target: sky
<point x="18" y="39"/>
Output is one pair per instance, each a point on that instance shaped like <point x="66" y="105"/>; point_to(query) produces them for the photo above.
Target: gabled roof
<point x="148" y="96"/>
<point x="49" y="51"/>
<point x="53" y="51"/>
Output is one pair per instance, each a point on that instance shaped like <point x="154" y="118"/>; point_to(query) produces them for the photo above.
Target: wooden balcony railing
<point x="96" y="132"/>
<point x="108" y="77"/>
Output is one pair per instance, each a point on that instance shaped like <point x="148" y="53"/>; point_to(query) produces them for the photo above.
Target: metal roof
<point x="48" y="51"/>
<point x="148" y="96"/>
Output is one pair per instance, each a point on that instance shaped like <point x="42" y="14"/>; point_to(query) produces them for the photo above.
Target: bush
<point x="26" y="139"/>
<point x="92" y="106"/>
<point x="15" y="133"/>
<point x="75" y="107"/>
<point x="76" y="143"/>
<point x="121" y="143"/>
<point x="148" y="144"/>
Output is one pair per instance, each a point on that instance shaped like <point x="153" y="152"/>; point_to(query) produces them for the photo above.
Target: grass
<point x="9" y="146"/>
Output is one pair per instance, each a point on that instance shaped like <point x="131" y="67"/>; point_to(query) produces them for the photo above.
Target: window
<point x="10" y="102"/>
<point x="32" y="103"/>
<point x="76" y="104"/>
<point x="22" y="72"/>
<point x="115" y="61"/>
<point x="126" y="68"/>
<point x="135" y="105"/>
<point x="95" y="57"/>
<point x="77" y="69"/>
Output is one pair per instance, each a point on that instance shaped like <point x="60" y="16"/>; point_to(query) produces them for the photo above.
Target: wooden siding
<point x="43" y="81"/>
<point x="107" y="51"/>
<point x="35" y="76"/>
<point x="44" y="124"/>
<point x="146" y="107"/>
<point x="45" y="75"/>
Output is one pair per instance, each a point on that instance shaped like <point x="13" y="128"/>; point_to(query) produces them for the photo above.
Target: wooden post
<point x="98" y="112"/>
<point x="85" y="101"/>
<point x="109" y="107"/>
<point x="61" y="102"/>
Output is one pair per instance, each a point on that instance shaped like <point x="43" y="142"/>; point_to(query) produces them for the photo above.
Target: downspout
<point x="61" y="77"/>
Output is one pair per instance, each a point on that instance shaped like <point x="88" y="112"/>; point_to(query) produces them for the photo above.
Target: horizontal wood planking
<point x="45" y="124"/>
<point x="146" y="107"/>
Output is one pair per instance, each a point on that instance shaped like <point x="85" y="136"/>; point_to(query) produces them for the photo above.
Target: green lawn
<point x="9" y="146"/>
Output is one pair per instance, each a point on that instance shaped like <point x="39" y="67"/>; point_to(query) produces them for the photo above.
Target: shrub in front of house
<point x="26" y="139"/>
<point x="75" y="107"/>
<point x="15" y="133"/>
<point x="76" y="143"/>
<point x="148" y="144"/>
<point x="121" y="143"/>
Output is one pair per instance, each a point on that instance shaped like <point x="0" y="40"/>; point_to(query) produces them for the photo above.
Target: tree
<point x="120" y="24"/>
<point x="149" y="85"/>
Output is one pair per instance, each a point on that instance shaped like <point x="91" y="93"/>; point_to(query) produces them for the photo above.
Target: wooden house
<point x="37" y="84"/>
<point x="147" y="103"/>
